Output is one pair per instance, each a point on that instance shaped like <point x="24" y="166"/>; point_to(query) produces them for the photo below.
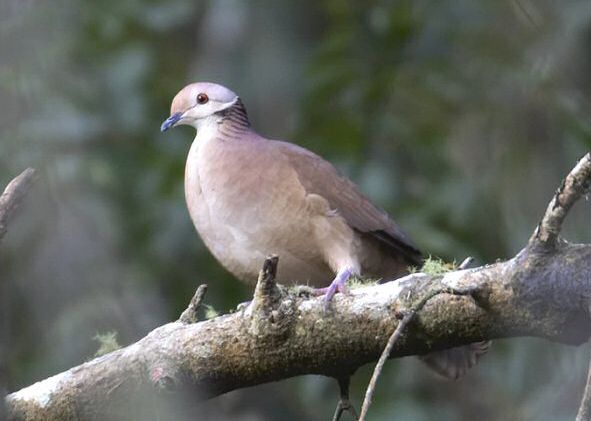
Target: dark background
<point x="459" y="117"/>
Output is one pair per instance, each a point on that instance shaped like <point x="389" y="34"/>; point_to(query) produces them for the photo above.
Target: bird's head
<point x="198" y="102"/>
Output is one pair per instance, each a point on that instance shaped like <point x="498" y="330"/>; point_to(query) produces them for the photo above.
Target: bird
<point x="249" y="196"/>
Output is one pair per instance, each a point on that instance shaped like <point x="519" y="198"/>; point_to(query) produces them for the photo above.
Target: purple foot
<point x="338" y="284"/>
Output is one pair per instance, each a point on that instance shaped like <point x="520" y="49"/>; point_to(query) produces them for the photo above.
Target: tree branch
<point x="515" y="298"/>
<point x="542" y="292"/>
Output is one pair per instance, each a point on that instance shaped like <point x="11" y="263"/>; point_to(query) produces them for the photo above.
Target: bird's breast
<point x="246" y="205"/>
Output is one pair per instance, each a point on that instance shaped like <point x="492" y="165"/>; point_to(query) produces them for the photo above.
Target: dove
<point x="249" y="197"/>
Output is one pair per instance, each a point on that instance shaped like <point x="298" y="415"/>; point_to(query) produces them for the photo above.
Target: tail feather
<point x="453" y="363"/>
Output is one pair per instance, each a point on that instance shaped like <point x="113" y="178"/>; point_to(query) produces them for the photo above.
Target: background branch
<point x="13" y="196"/>
<point x="10" y="200"/>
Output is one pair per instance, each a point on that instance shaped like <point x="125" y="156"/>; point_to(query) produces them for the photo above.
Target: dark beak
<point x="171" y="121"/>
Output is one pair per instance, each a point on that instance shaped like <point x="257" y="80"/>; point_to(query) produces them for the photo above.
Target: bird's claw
<point x="330" y="291"/>
<point x="339" y="284"/>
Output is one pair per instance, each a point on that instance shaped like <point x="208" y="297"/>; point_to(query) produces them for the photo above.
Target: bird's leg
<point x="338" y="284"/>
<point x="344" y="404"/>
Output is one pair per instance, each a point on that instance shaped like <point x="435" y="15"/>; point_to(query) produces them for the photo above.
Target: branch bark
<point x="543" y="291"/>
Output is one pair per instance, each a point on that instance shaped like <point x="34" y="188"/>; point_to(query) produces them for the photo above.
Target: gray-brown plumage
<point x="249" y="197"/>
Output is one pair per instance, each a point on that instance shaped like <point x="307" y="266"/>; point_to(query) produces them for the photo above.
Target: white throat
<point x="207" y="124"/>
<point x="207" y="130"/>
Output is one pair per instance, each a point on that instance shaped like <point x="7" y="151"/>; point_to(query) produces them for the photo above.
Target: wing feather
<point x="320" y="177"/>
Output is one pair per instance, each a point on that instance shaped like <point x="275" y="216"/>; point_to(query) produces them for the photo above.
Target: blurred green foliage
<point x="459" y="117"/>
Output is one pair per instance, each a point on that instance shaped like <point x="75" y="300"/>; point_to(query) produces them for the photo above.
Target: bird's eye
<point x="202" y="98"/>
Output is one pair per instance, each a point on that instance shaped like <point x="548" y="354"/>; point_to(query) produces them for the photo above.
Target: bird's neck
<point x="231" y="123"/>
<point x="214" y="134"/>
<point x="234" y="119"/>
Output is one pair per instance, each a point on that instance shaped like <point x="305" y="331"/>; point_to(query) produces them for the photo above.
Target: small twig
<point x="266" y="318"/>
<point x="406" y="319"/>
<point x="575" y="185"/>
<point x="266" y="288"/>
<point x="266" y="280"/>
<point x="584" y="413"/>
<point x="466" y="263"/>
<point x="344" y="404"/>
<point x="190" y="313"/>
<point x="13" y="196"/>
<point x="380" y="365"/>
